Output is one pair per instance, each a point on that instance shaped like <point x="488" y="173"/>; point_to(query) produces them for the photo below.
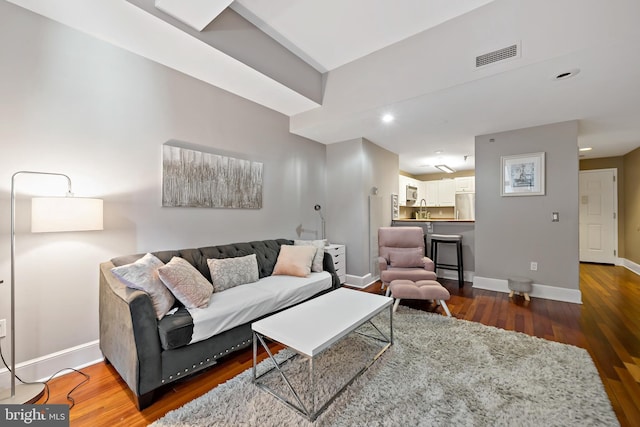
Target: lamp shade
<point x="54" y="214"/>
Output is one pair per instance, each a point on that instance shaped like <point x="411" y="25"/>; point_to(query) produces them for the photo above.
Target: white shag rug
<point x="439" y="372"/>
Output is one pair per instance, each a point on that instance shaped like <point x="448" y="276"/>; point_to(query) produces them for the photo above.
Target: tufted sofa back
<point x="266" y="253"/>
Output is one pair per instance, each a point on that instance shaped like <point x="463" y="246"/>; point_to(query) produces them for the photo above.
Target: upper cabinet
<point x="437" y="193"/>
<point x="440" y="193"/>
<point x="447" y="192"/>
<point x="402" y="190"/>
<point x="465" y="184"/>
<point x="432" y="190"/>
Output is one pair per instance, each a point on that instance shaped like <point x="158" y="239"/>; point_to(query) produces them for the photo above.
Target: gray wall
<point x="80" y="106"/>
<point x="513" y="231"/>
<point x="353" y="168"/>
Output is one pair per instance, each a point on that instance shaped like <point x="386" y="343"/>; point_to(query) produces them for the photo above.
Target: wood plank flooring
<point x="607" y="324"/>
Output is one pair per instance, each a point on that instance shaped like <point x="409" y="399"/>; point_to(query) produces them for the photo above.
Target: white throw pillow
<point x="143" y="275"/>
<point x="318" y="259"/>
<point x="229" y="272"/>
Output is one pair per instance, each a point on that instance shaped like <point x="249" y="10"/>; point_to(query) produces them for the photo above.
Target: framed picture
<point x="522" y="175"/>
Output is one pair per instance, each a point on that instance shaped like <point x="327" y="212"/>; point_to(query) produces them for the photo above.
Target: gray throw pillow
<point x="143" y="275"/>
<point x="186" y="283"/>
<point x="229" y="272"/>
<point x="317" y="264"/>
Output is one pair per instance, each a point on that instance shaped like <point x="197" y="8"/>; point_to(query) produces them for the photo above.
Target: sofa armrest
<point x="328" y="265"/>
<point x="129" y="337"/>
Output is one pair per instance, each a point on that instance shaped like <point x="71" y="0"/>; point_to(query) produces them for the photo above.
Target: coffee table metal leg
<point x="255" y="355"/>
<point x="302" y="409"/>
<point x="391" y="324"/>
<point x="313" y="414"/>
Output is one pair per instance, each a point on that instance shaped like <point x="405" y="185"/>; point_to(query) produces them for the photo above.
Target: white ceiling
<point x="331" y="33"/>
<point x="413" y="58"/>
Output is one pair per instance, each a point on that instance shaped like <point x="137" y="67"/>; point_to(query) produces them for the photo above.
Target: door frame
<point x="617" y="259"/>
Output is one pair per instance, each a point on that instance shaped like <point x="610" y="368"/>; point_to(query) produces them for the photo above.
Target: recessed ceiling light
<point x="585" y="149"/>
<point x="567" y="74"/>
<point x="439" y="152"/>
<point x="388" y="118"/>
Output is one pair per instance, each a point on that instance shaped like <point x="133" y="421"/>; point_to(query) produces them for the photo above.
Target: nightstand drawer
<point x="338" y="254"/>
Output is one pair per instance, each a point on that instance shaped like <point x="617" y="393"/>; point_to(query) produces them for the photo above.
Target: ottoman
<point x="520" y="285"/>
<point x="422" y="289"/>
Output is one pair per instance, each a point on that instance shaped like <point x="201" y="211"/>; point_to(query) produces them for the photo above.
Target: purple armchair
<point x="401" y="255"/>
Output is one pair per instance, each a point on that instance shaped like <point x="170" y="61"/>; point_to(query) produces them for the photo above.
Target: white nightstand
<point x="338" y="253"/>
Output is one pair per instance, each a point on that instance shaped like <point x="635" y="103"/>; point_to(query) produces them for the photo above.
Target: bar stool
<point x="456" y="239"/>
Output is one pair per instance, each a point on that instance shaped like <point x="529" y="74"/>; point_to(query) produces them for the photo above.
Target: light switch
<point x="555" y="217"/>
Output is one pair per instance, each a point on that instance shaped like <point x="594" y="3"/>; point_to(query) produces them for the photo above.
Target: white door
<point x="598" y="216"/>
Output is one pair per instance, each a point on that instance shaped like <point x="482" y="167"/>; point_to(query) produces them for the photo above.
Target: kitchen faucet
<point x="422" y="214"/>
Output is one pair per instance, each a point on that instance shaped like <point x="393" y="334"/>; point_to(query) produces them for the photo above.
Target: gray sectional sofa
<point x="150" y="353"/>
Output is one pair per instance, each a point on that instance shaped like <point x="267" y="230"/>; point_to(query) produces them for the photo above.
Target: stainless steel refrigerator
<point x="466" y="206"/>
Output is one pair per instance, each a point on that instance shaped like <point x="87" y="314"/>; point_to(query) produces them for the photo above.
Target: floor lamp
<point x="48" y="214"/>
<point x="318" y="209"/>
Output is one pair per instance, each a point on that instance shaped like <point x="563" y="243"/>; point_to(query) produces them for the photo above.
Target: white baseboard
<point x="360" y="281"/>
<point x="453" y="275"/>
<point x="631" y="265"/>
<point x="41" y="368"/>
<point x="538" y="291"/>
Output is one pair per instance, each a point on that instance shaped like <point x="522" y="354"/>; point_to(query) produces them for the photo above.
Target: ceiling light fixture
<point x="388" y="118"/>
<point x="445" y="168"/>
<point x="585" y="149"/>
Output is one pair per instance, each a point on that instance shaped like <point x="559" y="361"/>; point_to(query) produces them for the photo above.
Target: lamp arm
<point x="13" y="251"/>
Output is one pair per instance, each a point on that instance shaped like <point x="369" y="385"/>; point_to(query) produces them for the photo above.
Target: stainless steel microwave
<point x="412" y="193"/>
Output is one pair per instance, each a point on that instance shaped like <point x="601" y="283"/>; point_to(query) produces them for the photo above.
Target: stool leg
<point x="446" y="309"/>
<point x="460" y="265"/>
<point x="511" y="294"/>
<point x="434" y="256"/>
<point x="388" y="291"/>
<point x="396" y="304"/>
<point x="526" y="296"/>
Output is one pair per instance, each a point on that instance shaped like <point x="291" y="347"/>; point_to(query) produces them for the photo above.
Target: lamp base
<point x="25" y="393"/>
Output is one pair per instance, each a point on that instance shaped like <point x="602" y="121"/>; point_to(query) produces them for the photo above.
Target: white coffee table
<point x="312" y="327"/>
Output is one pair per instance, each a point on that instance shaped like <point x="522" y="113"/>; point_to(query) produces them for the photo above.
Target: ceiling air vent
<point x="497" y="55"/>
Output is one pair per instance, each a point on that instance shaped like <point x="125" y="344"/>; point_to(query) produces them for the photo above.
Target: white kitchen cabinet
<point x="465" y="184"/>
<point x="402" y="190"/>
<point x="446" y="192"/>
<point x="338" y="253"/>
<point x="440" y="193"/>
<point x="431" y="188"/>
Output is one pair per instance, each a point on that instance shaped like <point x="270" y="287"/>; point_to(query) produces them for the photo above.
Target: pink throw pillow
<point x="294" y="260"/>
<point x="407" y="258"/>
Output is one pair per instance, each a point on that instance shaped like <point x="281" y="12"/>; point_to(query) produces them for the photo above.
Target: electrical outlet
<point x="534" y="266"/>
<point x="3" y="328"/>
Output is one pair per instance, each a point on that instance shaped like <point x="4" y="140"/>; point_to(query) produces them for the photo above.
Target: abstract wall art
<point x="193" y="178"/>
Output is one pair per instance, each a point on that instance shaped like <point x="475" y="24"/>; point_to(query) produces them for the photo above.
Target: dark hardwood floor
<point x="607" y="324"/>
